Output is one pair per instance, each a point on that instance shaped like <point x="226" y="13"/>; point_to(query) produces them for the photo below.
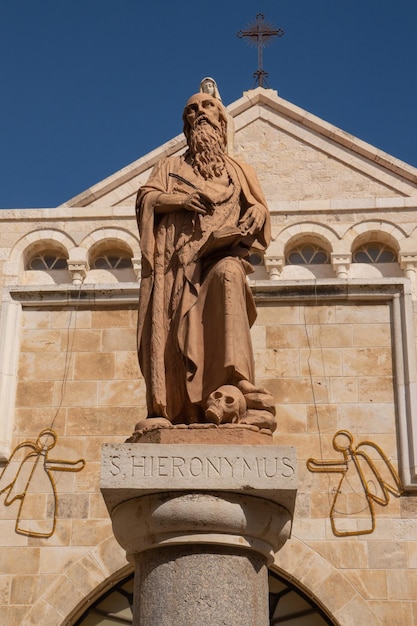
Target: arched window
<point x="307" y="254"/>
<point x="288" y="605"/>
<point x="112" y="260"/>
<point x="47" y="261"/>
<point x="374" y="252"/>
<point x="110" y="254"/>
<point x="45" y="255"/>
<point x="256" y="259"/>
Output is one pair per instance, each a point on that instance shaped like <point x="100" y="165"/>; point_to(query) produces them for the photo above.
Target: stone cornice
<point x="339" y="205"/>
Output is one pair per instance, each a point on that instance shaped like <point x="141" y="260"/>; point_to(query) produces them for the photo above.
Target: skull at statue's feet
<point x="226" y="405"/>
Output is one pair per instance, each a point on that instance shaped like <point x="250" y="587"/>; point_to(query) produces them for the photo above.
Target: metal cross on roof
<point x="259" y="34"/>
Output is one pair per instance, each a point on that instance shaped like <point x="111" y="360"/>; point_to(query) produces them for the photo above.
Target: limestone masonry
<point x="334" y="342"/>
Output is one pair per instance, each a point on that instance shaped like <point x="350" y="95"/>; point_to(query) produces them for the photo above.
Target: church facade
<point x="334" y="341"/>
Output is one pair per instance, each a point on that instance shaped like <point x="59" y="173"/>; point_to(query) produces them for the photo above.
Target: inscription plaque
<point x="133" y="470"/>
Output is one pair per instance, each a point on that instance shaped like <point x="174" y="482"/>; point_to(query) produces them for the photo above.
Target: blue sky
<point x="88" y="86"/>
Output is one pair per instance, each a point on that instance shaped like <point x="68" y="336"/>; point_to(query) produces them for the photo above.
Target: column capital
<point x="408" y="260"/>
<point x="341" y="263"/>
<point x="137" y="267"/>
<point x="274" y="266"/>
<point x="238" y="496"/>
<point x="78" y="271"/>
<point x="192" y="518"/>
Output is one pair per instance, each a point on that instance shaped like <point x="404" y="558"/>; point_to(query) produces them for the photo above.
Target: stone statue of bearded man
<point x="198" y="216"/>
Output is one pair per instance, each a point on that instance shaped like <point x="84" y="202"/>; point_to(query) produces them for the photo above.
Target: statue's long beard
<point x="207" y="150"/>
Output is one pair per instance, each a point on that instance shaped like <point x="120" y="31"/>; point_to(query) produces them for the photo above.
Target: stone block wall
<point x="317" y="176"/>
<point x="78" y="375"/>
<point x="333" y="362"/>
<point x="330" y="367"/>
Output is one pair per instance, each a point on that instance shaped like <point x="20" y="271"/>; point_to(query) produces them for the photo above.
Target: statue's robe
<point x="195" y="306"/>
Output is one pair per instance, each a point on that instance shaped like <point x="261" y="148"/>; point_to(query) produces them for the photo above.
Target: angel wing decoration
<point x="26" y="476"/>
<point x="367" y="477"/>
<point x="12" y="480"/>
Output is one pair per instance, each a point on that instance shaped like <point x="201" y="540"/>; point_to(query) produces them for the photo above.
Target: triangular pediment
<point x="297" y="157"/>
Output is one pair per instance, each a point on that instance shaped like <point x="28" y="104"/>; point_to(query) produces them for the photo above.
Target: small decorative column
<point x="408" y="263"/>
<point x="274" y="266"/>
<point x="201" y="521"/>
<point x="341" y="264"/>
<point x="78" y="272"/>
<point x="78" y="265"/>
<point x="137" y="267"/>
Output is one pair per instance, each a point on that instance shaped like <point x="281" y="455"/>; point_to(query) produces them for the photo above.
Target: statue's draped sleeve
<point x="253" y="194"/>
<point x="159" y="182"/>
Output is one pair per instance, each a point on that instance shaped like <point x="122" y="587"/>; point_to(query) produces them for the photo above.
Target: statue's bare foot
<point x="261" y="419"/>
<point x="260" y="400"/>
<point x="150" y="423"/>
<point x="153" y="422"/>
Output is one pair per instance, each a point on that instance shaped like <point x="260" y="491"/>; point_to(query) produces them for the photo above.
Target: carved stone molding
<point x="205" y="518"/>
<point x="274" y="266"/>
<point x="137" y="267"/>
<point x="78" y="271"/>
<point x="341" y="264"/>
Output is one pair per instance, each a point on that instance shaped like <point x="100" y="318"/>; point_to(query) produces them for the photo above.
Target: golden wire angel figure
<point x="27" y="475"/>
<point x="364" y="481"/>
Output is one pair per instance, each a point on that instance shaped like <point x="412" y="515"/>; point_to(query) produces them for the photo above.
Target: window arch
<point x="256" y="259"/>
<point x="307" y="257"/>
<point x="374" y="252"/>
<point x="308" y="249"/>
<point x="47" y="261"/>
<point x="307" y="254"/>
<point x="110" y="260"/>
<point x="46" y="256"/>
<point x="110" y="254"/>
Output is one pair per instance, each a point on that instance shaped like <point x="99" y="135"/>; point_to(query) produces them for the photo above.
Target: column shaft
<point x="200" y="586"/>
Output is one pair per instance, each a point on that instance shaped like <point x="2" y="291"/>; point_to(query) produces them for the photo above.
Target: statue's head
<point x="202" y="109"/>
<point x="208" y="85"/>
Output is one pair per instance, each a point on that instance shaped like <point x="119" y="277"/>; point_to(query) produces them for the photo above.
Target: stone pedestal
<point x="201" y="522"/>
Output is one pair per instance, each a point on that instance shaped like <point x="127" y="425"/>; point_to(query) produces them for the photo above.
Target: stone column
<point x="209" y="586"/>
<point x="201" y="523"/>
